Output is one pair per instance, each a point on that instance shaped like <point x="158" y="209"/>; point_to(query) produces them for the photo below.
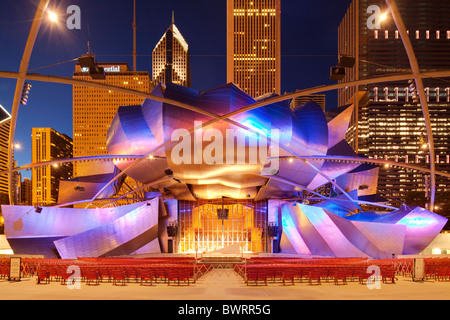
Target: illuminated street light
<point x="383" y="16"/>
<point x="52" y="16"/>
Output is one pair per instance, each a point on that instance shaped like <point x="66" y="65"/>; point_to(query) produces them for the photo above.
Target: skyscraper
<point x="170" y="58"/>
<point x="391" y="124"/>
<point x="26" y="192"/>
<point x="48" y="144"/>
<point x="94" y="110"/>
<point x="302" y="100"/>
<point x="5" y="122"/>
<point x="253" y="46"/>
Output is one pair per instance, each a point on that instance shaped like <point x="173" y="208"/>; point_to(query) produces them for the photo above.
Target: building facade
<point x="320" y="99"/>
<point x="390" y="125"/>
<point x="5" y="122"/>
<point x="94" y="110"/>
<point x="253" y="46"/>
<point x="170" y="59"/>
<point x="26" y="192"/>
<point x="48" y="144"/>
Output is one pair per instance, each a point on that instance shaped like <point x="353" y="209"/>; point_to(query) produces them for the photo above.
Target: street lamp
<point x="53" y="17"/>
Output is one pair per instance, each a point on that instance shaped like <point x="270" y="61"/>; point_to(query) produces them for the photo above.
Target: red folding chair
<point x="43" y="276"/>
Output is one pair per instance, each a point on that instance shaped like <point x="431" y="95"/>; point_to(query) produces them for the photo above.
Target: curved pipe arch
<point x="216" y="117"/>
<point x="420" y="89"/>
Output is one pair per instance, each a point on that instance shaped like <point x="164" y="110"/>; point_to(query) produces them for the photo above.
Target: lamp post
<point x="19" y="86"/>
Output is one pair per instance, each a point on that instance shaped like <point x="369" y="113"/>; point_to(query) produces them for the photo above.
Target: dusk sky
<point x="308" y="47"/>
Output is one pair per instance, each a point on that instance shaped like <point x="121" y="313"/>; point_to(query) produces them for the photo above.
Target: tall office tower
<point x="48" y="144"/>
<point x="253" y="46"/>
<point x="26" y="192"/>
<point x="317" y="98"/>
<point x="170" y="58"/>
<point x="5" y="122"/>
<point x="94" y="110"/>
<point x="390" y="124"/>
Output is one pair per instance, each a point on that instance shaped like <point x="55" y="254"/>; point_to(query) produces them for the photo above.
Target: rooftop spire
<point x="173" y="17"/>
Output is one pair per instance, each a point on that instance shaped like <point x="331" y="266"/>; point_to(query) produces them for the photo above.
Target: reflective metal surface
<point x="87" y="232"/>
<point x="121" y="236"/>
<point x="313" y="230"/>
<point x="222" y="159"/>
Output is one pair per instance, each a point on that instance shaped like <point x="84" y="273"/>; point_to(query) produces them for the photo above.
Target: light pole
<point x="19" y="85"/>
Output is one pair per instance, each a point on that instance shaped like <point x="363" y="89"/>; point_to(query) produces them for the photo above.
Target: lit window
<point x="417" y="34"/>
<point x="438" y="34"/>
<point x="376" y="34"/>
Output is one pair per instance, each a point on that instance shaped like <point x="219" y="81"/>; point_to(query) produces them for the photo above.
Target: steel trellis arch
<point x="420" y="89"/>
<point x="216" y="118"/>
<point x="326" y="158"/>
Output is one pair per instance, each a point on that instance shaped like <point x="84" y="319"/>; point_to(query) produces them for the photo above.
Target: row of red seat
<point x="313" y="274"/>
<point x="120" y="270"/>
<point x="316" y="260"/>
<point x="120" y="274"/>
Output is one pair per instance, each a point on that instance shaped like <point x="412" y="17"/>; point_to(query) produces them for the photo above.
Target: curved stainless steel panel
<point x="210" y="155"/>
<point x="121" y="236"/>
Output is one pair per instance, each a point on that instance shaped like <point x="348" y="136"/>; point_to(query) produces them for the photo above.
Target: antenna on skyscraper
<point x="134" y="36"/>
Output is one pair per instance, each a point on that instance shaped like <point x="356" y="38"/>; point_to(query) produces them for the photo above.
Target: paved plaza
<point x="226" y="285"/>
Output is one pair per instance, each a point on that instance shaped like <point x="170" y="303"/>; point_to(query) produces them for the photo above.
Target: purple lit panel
<point x="291" y="231"/>
<point x="310" y="235"/>
<point x="122" y="236"/>
<point x="330" y="232"/>
<point x="375" y="239"/>
<point x="422" y="226"/>
<point x="337" y="127"/>
<point x="24" y="222"/>
<point x="388" y="239"/>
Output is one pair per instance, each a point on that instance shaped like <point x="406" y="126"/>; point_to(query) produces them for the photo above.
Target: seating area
<point x="263" y="271"/>
<point x="437" y="269"/>
<point x="117" y="271"/>
<point x="254" y="271"/>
